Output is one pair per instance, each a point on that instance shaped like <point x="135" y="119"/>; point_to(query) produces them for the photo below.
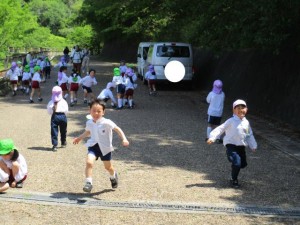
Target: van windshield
<point x="173" y="51"/>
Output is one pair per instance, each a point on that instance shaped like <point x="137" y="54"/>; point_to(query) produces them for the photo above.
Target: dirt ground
<point x="167" y="161"/>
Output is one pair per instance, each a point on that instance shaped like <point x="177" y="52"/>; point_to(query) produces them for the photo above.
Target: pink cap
<point x="56" y="94"/>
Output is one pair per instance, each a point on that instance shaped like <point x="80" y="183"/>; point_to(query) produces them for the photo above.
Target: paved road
<point x="167" y="161"/>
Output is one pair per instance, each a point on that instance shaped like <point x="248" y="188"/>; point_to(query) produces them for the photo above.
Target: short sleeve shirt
<point x="101" y="133"/>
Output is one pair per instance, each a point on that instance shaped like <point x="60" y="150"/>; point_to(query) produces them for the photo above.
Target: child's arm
<point x="82" y="136"/>
<point x="215" y="133"/>
<point x="122" y="136"/>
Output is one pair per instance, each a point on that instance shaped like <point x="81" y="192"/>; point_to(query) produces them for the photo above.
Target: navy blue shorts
<point x="95" y="150"/>
<point x="214" y="120"/>
<point x="121" y="89"/>
<point x="88" y="89"/>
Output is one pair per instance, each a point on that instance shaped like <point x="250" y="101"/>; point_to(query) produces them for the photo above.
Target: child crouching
<point x="13" y="167"/>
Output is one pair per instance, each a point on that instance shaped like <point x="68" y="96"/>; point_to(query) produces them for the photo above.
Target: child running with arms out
<point x="100" y="143"/>
<point x="238" y="135"/>
<point x="215" y="99"/>
<point x="87" y="82"/>
<point x="13" y="167"/>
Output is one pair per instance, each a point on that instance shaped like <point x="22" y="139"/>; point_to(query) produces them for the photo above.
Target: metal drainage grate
<point x="81" y="200"/>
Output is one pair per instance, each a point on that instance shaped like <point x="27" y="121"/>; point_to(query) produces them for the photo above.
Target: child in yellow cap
<point x="13" y="167"/>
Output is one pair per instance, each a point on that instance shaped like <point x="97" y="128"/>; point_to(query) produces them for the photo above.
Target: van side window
<point x="173" y="51"/>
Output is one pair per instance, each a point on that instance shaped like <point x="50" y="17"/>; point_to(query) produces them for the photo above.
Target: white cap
<point x="239" y="102"/>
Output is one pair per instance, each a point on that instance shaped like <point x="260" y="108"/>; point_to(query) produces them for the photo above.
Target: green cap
<point x="6" y="146"/>
<point x="36" y="68"/>
<point x="117" y="72"/>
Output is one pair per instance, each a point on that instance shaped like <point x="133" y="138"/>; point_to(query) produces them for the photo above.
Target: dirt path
<point x="167" y="161"/>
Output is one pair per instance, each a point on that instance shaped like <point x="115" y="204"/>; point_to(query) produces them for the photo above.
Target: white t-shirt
<point x="26" y="76"/>
<point x="101" y="133"/>
<point x="23" y="166"/>
<point x="62" y="106"/>
<point x="216" y="104"/>
<point x="237" y="132"/>
<point x="150" y="76"/>
<point x="106" y="93"/>
<point x="13" y="74"/>
<point x="88" y="81"/>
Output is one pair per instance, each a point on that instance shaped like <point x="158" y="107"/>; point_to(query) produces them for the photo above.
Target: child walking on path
<point x="238" y="135"/>
<point x="130" y="78"/>
<point x="215" y="99"/>
<point x="26" y="79"/>
<point x="62" y="80"/>
<point x="100" y="143"/>
<point x="35" y="84"/>
<point x="74" y="81"/>
<point x="13" y="167"/>
<point x="13" y="73"/>
<point x="118" y="81"/>
<point x="57" y="108"/>
<point x="150" y="76"/>
<point x="87" y="82"/>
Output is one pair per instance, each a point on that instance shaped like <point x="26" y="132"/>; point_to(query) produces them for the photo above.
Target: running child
<point x="58" y="107"/>
<point x="62" y="80"/>
<point x="215" y="99"/>
<point x="238" y="135"/>
<point x="26" y="79"/>
<point x="13" y="167"/>
<point x="47" y="67"/>
<point x="87" y="82"/>
<point x="118" y="81"/>
<point x="106" y="94"/>
<point x="13" y="74"/>
<point x="35" y="84"/>
<point x="100" y="143"/>
<point x="74" y="81"/>
<point x="150" y="76"/>
<point x="130" y="78"/>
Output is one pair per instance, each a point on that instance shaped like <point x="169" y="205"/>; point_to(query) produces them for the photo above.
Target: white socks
<point x="89" y="179"/>
<point x="120" y="102"/>
<point x="130" y="102"/>
<point x="208" y="130"/>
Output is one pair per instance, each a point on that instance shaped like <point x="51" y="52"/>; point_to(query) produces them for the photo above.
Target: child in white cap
<point x="238" y="135"/>
<point x="215" y="99"/>
<point x="57" y="108"/>
<point x="13" y="167"/>
<point x="106" y="94"/>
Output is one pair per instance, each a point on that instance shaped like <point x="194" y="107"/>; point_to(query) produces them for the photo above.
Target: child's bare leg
<point x="92" y="96"/>
<point x="85" y="94"/>
<point x="153" y="87"/>
<point x="109" y="167"/>
<point x="39" y="92"/>
<point x="4" y="187"/>
<point x="32" y="93"/>
<point x="89" y="167"/>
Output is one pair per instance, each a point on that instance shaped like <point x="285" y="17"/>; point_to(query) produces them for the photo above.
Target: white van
<point x="142" y="56"/>
<point x="161" y="53"/>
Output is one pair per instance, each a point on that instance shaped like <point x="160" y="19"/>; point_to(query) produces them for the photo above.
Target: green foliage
<point x="81" y="35"/>
<point x="217" y="24"/>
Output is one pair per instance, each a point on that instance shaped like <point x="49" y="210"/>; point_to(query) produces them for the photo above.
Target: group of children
<point x="29" y="75"/>
<point x="235" y="133"/>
